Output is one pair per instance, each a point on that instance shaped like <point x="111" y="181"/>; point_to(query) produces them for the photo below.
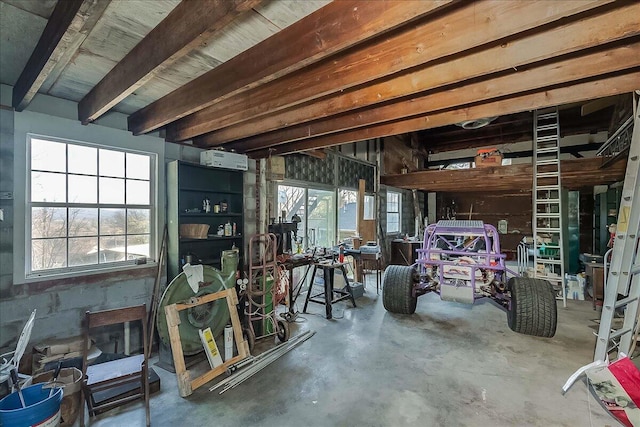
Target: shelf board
<point x="210" y="214"/>
<point x="208" y="190"/>
<point x="210" y="239"/>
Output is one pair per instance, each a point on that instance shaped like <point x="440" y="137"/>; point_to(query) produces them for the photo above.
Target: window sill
<point x="88" y="276"/>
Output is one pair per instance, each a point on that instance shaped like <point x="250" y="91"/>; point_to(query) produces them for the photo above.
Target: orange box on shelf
<point x="488" y="157"/>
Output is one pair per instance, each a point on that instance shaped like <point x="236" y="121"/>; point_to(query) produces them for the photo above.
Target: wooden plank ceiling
<point x="356" y="70"/>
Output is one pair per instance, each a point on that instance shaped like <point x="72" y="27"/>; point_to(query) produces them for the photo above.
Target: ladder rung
<point x="547" y="247"/>
<point x="544" y="116"/>
<point x="547" y="127"/>
<point x="619" y="333"/>
<point x="625" y="301"/>
<point x="547" y="201"/>
<point x="547" y="187"/>
<point x="547" y="174"/>
<point x="546" y="149"/>
<point x="543" y="230"/>
<point x="547" y="215"/>
<point x="547" y="162"/>
<point x="548" y="261"/>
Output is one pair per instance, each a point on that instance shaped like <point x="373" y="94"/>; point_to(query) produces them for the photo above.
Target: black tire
<point x="283" y="331"/>
<point x="250" y="337"/>
<point x="533" y="310"/>
<point x="397" y="289"/>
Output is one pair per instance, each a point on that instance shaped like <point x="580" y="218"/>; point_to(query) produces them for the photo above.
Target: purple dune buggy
<point x="461" y="261"/>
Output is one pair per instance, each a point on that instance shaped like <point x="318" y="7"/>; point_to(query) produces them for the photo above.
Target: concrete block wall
<point x="60" y="303"/>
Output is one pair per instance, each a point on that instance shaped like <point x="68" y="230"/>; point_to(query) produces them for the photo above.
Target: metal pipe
<point x="264" y="364"/>
<point x="261" y="361"/>
<point x="274" y="353"/>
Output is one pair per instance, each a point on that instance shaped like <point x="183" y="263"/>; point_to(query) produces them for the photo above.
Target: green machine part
<point x="264" y="295"/>
<point x="214" y="315"/>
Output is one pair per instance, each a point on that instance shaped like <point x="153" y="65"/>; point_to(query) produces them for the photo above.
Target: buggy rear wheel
<point x="533" y="309"/>
<point x="397" y="289"/>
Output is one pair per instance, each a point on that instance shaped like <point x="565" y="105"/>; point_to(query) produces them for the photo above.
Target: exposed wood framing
<point x="576" y="174"/>
<point x="465" y="28"/>
<point x="606" y="85"/>
<point x="70" y="23"/>
<point x="333" y="28"/>
<point x="188" y="26"/>
<point x="513" y="58"/>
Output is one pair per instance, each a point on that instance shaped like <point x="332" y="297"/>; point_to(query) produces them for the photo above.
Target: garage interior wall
<point x="63" y="302"/>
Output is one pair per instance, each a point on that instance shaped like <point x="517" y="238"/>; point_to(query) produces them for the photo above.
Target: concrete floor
<point x="447" y="365"/>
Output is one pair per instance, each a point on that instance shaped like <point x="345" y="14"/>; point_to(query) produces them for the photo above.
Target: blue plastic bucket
<point x="41" y="409"/>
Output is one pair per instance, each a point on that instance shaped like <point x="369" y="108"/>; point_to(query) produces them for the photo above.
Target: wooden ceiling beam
<point x="189" y="25"/>
<point x="576" y="174"/>
<point x="464" y="28"/>
<point x="68" y="26"/>
<point x="507" y="57"/>
<point x="524" y="80"/>
<point x="333" y="28"/>
<point x="578" y="92"/>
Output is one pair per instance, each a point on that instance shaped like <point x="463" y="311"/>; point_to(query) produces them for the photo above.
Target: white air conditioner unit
<point x="224" y="159"/>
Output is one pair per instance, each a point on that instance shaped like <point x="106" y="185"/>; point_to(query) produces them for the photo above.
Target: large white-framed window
<point x="88" y="207"/>
<point x="394" y="205"/>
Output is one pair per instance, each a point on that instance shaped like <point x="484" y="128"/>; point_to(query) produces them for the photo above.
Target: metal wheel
<point x="283" y="331"/>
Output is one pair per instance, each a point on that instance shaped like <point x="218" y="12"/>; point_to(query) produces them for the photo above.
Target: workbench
<point x="329" y="295"/>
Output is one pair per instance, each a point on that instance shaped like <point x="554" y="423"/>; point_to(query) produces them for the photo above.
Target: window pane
<point x="112" y="249"/>
<point x="137" y="246"/>
<point x="48" y="222"/>
<point x="83" y="251"/>
<point x="347" y="213"/>
<point x="138" y="221"/>
<point x="48" y="187"/>
<point x="321" y="226"/>
<point x="83" y="189"/>
<point x="137" y="166"/>
<point x="111" y="190"/>
<point x="369" y="207"/>
<point x="112" y="163"/>
<point x="393" y="223"/>
<point x="83" y="222"/>
<point x="83" y="160"/>
<point x="112" y="221"/>
<point x="137" y="192"/>
<point x="292" y="200"/>
<point x="48" y="155"/>
<point x="48" y="254"/>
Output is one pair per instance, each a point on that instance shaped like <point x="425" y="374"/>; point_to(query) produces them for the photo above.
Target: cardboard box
<point x="488" y="158"/>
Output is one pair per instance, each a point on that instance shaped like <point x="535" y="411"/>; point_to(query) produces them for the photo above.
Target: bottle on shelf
<point x="224" y="206"/>
<point x="228" y="229"/>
